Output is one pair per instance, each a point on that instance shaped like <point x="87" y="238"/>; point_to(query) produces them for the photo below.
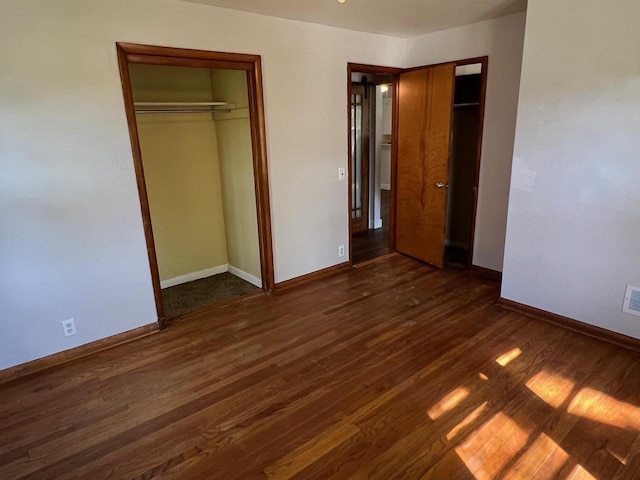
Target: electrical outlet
<point x="342" y="174"/>
<point x="341" y="251"/>
<point x="69" y="327"/>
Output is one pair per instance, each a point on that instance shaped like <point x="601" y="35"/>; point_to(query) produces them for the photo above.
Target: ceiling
<point x="400" y="18"/>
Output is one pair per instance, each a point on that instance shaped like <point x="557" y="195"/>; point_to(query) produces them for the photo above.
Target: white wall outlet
<point x="69" y="327"/>
<point x="341" y="250"/>
<point x="342" y="174"/>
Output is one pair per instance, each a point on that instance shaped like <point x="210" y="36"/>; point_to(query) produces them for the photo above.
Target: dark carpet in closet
<point x="202" y="293"/>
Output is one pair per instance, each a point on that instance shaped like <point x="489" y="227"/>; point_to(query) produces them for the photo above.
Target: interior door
<point x="425" y="110"/>
<point x="360" y="137"/>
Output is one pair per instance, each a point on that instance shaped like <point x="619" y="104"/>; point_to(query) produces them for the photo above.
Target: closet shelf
<point x="183" y="107"/>
<point x="470" y="104"/>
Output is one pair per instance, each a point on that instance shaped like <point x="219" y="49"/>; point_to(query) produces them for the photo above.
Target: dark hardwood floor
<point x="392" y="369"/>
<point x="373" y="243"/>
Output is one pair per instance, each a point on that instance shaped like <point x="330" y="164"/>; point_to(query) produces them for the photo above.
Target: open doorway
<point x="371" y="157"/>
<point x="434" y="138"/>
<point x="197" y="131"/>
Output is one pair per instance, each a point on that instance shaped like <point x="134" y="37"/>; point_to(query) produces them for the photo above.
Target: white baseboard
<point x="190" y="277"/>
<point x="385" y="186"/>
<point x="247" y="277"/>
<point x="377" y="224"/>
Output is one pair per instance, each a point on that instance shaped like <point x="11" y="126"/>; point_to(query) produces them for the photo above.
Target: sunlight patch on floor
<point x="598" y="406"/>
<point x="542" y="460"/>
<point x="449" y="402"/>
<point x="579" y="473"/>
<point x="506" y="358"/>
<point x="552" y="388"/>
<point x="468" y="420"/>
<point x="488" y="450"/>
<point x="618" y="457"/>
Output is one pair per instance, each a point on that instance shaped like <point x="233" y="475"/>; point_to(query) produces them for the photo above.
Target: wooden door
<point x="425" y="110"/>
<point x="360" y="138"/>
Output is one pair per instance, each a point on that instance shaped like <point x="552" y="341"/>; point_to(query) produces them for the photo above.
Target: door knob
<point x="439" y="185"/>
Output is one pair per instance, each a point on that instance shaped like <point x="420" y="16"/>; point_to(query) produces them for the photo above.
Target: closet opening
<point x="371" y="156"/>
<point x="196" y="123"/>
<point x="464" y="162"/>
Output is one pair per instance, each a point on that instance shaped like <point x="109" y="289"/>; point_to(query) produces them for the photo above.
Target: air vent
<point x="632" y="300"/>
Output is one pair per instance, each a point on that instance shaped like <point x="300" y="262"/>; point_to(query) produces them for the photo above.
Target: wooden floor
<point x="389" y="370"/>
<point x="375" y="242"/>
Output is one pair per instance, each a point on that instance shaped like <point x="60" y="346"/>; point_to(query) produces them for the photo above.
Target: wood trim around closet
<point x="155" y="55"/>
<point x="484" y="61"/>
<point x="127" y="92"/>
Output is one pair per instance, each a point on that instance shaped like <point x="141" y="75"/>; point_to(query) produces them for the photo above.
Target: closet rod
<point x="198" y="110"/>
<point x="180" y="104"/>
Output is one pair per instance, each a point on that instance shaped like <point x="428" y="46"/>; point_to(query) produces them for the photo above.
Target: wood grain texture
<point x="154" y="50"/>
<point x="76" y="353"/>
<point x="424" y="139"/>
<point x="393" y="369"/>
<point x="261" y="173"/>
<point x="374" y="242"/>
<point x="127" y="93"/>
<point x="575" y="325"/>
<point x="489" y="274"/>
<point x="311" y="277"/>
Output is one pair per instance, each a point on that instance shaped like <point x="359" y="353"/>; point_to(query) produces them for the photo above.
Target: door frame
<point x="484" y="61"/>
<point x="380" y="70"/>
<point x="365" y="160"/>
<point x="395" y="73"/>
<point x="129" y="53"/>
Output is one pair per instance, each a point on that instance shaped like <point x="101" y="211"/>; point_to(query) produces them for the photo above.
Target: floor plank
<point x="392" y="369"/>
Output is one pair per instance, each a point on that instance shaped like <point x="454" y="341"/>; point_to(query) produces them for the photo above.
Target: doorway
<point x="371" y="158"/>
<point x="435" y="152"/>
<point x="464" y="163"/>
<point x="196" y="123"/>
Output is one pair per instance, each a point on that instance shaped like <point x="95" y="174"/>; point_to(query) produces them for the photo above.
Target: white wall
<point x="502" y="41"/>
<point x="72" y="243"/>
<point x="573" y="232"/>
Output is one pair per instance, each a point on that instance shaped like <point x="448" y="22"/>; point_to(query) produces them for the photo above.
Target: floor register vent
<point x="632" y="300"/>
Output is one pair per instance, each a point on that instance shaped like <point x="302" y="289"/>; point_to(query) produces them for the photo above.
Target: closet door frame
<point x="129" y="53"/>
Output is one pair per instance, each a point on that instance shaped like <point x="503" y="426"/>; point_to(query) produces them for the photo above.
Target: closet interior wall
<point x="462" y="164"/>
<point x="199" y="173"/>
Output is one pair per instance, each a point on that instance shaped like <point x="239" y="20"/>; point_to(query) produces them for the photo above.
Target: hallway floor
<point x="373" y="243"/>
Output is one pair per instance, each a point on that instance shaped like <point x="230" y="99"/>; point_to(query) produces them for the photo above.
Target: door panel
<point x="360" y="136"/>
<point x="424" y="138"/>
